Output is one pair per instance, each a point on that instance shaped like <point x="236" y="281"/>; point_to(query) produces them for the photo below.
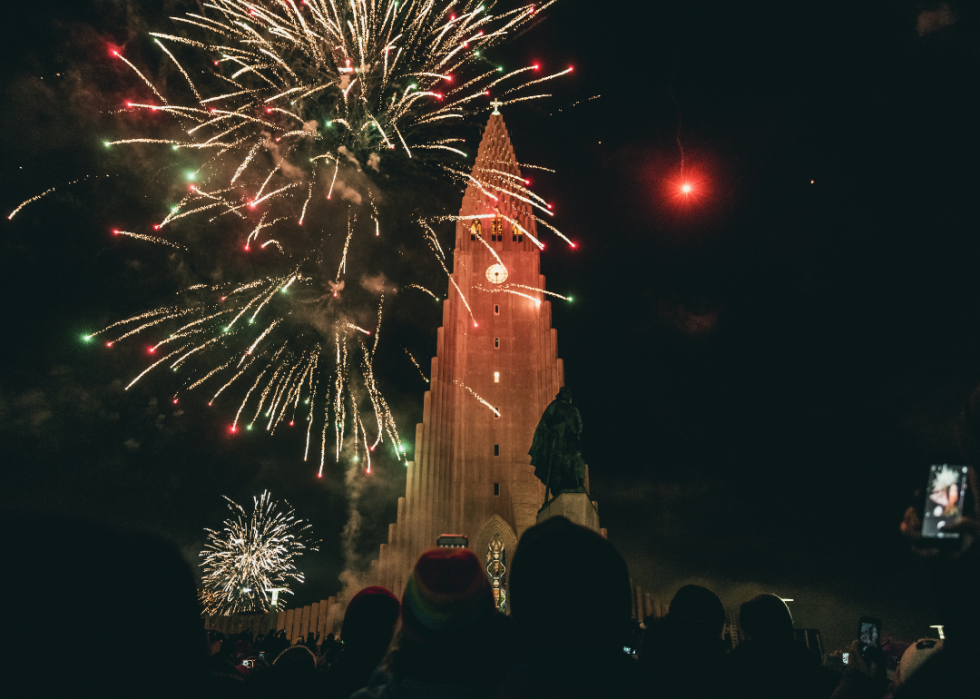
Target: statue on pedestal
<point x="555" y="451"/>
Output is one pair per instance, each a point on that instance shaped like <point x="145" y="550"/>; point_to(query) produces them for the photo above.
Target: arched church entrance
<point x="495" y="546"/>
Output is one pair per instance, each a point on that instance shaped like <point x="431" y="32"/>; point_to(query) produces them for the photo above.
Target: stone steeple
<point x="499" y="174"/>
<point x="471" y="472"/>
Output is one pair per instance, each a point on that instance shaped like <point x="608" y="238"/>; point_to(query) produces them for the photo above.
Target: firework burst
<point x="300" y="100"/>
<point x="253" y="559"/>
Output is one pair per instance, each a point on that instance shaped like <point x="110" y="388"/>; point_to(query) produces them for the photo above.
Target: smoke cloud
<point x="929" y="21"/>
<point x="375" y="284"/>
<point x="288" y="169"/>
<point x="347" y="193"/>
<point x="686" y="320"/>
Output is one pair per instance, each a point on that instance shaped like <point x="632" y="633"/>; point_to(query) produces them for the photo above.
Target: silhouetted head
<point x="293" y="674"/>
<point x="565" y="394"/>
<point x="766" y="618"/>
<point x="370" y="621"/>
<point x="566" y="581"/>
<point x="296" y="657"/>
<point x="699" y="610"/>
<point x="102" y="585"/>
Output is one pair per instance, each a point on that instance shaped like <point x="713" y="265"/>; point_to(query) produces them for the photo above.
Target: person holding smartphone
<point x="865" y="673"/>
<point x="954" y="562"/>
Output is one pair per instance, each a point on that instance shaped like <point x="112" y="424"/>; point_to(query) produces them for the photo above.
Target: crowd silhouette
<point x="568" y="635"/>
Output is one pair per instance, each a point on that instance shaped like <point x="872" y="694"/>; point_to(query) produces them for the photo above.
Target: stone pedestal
<point x="576" y="507"/>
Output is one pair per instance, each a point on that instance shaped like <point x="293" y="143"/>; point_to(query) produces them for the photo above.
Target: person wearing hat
<point x="450" y="642"/>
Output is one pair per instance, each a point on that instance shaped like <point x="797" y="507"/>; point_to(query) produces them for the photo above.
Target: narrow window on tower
<point x="496" y="413"/>
<point x="518" y="234"/>
<point x="498" y="228"/>
<point x="496" y="488"/>
<point x="496" y="343"/>
<point x="496" y="309"/>
<point x="474" y="230"/>
<point x="496" y="377"/>
<point x="496" y="450"/>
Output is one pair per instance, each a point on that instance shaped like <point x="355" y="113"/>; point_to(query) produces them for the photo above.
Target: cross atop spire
<point x="496" y="106"/>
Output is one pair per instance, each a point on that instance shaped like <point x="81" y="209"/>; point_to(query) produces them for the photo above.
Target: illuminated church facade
<point x="495" y="372"/>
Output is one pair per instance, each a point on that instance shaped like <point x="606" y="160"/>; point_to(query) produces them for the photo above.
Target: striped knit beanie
<point x="447" y="591"/>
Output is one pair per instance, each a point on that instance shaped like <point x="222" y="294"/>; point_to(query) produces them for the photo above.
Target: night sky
<point x="765" y="369"/>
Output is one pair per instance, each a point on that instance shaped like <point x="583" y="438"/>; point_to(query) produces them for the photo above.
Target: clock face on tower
<point x="497" y="274"/>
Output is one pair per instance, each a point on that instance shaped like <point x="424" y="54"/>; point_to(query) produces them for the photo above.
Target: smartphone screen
<point x="945" y="493"/>
<point x="869" y="633"/>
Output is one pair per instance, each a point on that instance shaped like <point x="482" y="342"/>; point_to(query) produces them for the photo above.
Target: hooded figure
<point x="555" y="451"/>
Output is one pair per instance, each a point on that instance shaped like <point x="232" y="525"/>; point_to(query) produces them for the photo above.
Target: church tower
<point x="472" y="474"/>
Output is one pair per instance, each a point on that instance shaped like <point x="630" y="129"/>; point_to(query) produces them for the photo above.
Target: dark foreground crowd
<point x="127" y="623"/>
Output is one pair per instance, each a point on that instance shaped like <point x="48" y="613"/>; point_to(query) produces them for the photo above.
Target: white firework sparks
<point x="279" y="106"/>
<point x="253" y="558"/>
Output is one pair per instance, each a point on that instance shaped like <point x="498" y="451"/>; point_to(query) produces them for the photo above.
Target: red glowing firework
<point x="687" y="188"/>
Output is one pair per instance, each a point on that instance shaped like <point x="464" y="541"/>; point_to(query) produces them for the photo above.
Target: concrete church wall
<point x="471" y="473"/>
<point x="319" y="618"/>
<point x="645" y="606"/>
